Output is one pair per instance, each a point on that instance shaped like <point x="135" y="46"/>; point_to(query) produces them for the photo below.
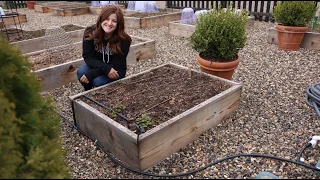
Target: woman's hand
<point x="84" y="79"/>
<point x="113" y="74"/>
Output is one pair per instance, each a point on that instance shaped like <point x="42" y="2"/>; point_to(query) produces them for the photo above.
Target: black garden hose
<point x="97" y="143"/>
<point x="313" y="97"/>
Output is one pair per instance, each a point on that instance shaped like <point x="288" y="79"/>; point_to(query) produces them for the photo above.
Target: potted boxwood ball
<point x="218" y="37"/>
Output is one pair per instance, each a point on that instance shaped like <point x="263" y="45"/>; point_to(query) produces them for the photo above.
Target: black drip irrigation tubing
<point x="140" y="128"/>
<point x="97" y="143"/>
<point x="313" y="97"/>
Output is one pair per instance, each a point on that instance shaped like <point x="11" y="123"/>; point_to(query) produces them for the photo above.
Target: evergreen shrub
<point x="220" y="34"/>
<point x="30" y="144"/>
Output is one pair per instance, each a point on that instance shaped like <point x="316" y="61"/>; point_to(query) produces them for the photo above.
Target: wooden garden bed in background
<point x="71" y="10"/>
<point x="47" y="7"/>
<point x="10" y="20"/>
<point x="135" y="19"/>
<point x="97" y="10"/>
<point x="179" y="117"/>
<point x="311" y="40"/>
<point x="185" y="30"/>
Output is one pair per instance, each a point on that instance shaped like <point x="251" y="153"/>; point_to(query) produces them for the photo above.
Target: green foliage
<point x="144" y="121"/>
<point x="30" y="145"/>
<point x="219" y="34"/>
<point x="294" y="13"/>
<point x="315" y="23"/>
<point x="117" y="109"/>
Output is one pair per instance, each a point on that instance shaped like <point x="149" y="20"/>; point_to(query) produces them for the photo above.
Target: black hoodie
<point x="94" y="59"/>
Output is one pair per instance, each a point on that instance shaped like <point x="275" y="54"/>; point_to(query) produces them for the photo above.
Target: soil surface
<point x="13" y="37"/>
<point x="71" y="53"/>
<point x="160" y="94"/>
<point x="144" y="14"/>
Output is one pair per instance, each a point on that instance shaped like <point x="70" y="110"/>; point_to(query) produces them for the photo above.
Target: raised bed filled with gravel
<point x="174" y="104"/>
<point x="186" y="27"/>
<point x="34" y="40"/>
<point x="60" y="69"/>
<point x="311" y="40"/>
<point x="136" y="19"/>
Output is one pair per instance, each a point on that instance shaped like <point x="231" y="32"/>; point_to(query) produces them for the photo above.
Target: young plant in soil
<point x="152" y="98"/>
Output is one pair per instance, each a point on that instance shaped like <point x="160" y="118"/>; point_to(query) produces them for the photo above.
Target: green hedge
<point x="30" y="146"/>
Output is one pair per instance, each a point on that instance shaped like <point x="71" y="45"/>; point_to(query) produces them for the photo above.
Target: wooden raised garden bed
<point x="311" y="40"/>
<point x="176" y="110"/>
<point x="185" y="30"/>
<point x="135" y="19"/>
<point x="48" y="6"/>
<point x="28" y="35"/>
<point x="97" y="10"/>
<point x="61" y="71"/>
<point x="14" y="19"/>
<point x="70" y="10"/>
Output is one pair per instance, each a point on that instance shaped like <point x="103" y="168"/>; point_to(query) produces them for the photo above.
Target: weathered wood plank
<point x="152" y="21"/>
<point x="37" y="44"/>
<point x="22" y="18"/>
<point x="132" y="22"/>
<point x="144" y="50"/>
<point x="161" y="20"/>
<point x="311" y="40"/>
<point x="165" y="139"/>
<point x="119" y="140"/>
<point x="59" y="75"/>
<point x="42" y="9"/>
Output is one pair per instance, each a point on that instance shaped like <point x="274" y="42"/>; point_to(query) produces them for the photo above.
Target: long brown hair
<point x="118" y="35"/>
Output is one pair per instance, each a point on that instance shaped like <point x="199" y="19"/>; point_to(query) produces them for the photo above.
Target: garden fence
<point x="262" y="10"/>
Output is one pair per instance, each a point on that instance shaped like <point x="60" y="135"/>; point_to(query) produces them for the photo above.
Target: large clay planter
<point x="30" y="4"/>
<point x="220" y="69"/>
<point x="290" y="37"/>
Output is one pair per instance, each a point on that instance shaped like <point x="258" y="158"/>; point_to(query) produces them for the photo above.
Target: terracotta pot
<point x="221" y="69"/>
<point x="290" y="37"/>
<point x="30" y="4"/>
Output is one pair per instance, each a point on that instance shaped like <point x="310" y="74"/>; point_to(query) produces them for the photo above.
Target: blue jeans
<point x="97" y="81"/>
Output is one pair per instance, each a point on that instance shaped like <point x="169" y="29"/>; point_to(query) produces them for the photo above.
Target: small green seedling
<point x="144" y="121"/>
<point x="117" y="109"/>
<point x="123" y="82"/>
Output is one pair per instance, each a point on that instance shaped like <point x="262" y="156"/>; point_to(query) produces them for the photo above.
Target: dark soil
<point x="160" y="94"/>
<point x="35" y="34"/>
<point x="144" y="14"/>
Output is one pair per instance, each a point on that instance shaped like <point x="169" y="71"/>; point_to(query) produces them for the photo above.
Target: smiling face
<point x="110" y="24"/>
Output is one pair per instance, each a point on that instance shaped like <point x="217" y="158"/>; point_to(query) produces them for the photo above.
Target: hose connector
<point x="314" y="141"/>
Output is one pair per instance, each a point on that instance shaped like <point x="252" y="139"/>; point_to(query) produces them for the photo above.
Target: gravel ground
<point x="272" y="119"/>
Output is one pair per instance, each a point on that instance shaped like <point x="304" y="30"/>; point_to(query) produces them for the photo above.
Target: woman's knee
<point x="82" y="70"/>
<point x="100" y="80"/>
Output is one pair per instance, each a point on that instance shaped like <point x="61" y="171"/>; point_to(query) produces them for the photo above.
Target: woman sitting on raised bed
<point x="104" y="49"/>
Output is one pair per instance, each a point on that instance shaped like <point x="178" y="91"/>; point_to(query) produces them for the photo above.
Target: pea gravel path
<point x="272" y="119"/>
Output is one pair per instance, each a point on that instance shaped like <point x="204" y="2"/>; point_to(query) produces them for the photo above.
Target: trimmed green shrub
<point x="294" y="13"/>
<point x="30" y="146"/>
<point x="219" y="35"/>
